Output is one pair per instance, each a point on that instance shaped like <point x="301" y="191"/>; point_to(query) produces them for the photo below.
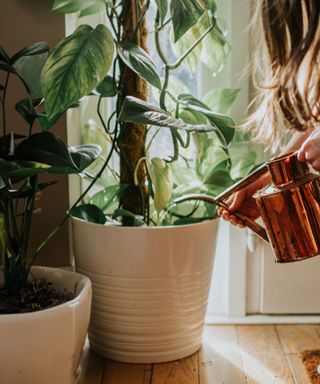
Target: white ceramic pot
<point x="150" y="288"/>
<point x="44" y="347"/>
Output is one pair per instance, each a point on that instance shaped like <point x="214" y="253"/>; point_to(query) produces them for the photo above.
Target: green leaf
<point x="88" y="212"/>
<point x="29" y="69"/>
<point x="26" y="110"/>
<point x="91" y="9"/>
<point x="75" y="67"/>
<point x="160" y="174"/>
<point x="140" y="62"/>
<point x="4" y="56"/>
<point x="137" y="220"/>
<point x="163" y="8"/>
<point x="223" y="123"/>
<point x="212" y="6"/>
<point x="31" y="50"/>
<point x="184" y="43"/>
<point x="135" y="110"/>
<point x="21" y="169"/>
<point x="191" y="220"/>
<point x="185" y="13"/>
<point x="45" y="148"/>
<point x="106" y="88"/>
<point x="216" y="46"/>
<point x="46" y="123"/>
<point x="220" y="99"/>
<point x="208" y="154"/>
<point x="9" y="68"/>
<point x="219" y="177"/>
<point x="83" y="155"/>
<point x="68" y="6"/>
<point x="242" y="164"/>
<point x="192" y="117"/>
<point x="106" y="197"/>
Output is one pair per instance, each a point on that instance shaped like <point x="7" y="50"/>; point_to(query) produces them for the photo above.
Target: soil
<point x="36" y="296"/>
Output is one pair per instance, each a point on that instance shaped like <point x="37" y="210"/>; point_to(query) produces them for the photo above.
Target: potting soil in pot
<point x="37" y="295"/>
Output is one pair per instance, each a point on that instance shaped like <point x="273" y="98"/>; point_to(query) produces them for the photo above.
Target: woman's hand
<point x="243" y="202"/>
<point x="310" y="150"/>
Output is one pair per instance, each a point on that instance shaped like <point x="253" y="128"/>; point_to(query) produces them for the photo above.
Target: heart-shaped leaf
<point x="34" y="49"/>
<point x="185" y="13"/>
<point x="220" y="99"/>
<point x="75" y="67"/>
<point x="88" y="212"/>
<point x="45" y="148"/>
<point x="96" y="6"/>
<point x="135" y="110"/>
<point x="160" y="174"/>
<point x="106" y="88"/>
<point x="26" y="110"/>
<point x="46" y="123"/>
<point x="84" y="155"/>
<point x="162" y="8"/>
<point x="137" y="221"/>
<point x="21" y="169"/>
<point x="29" y="68"/>
<point x="107" y="196"/>
<point x="68" y="6"/>
<point x="140" y="62"/>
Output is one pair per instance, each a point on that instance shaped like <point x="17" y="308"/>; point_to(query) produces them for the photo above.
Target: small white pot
<point x="44" y="347"/>
<point x="150" y="288"/>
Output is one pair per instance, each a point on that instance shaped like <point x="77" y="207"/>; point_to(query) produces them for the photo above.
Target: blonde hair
<point x="286" y="64"/>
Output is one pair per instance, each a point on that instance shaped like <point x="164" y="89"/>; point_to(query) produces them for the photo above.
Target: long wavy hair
<point x="286" y="62"/>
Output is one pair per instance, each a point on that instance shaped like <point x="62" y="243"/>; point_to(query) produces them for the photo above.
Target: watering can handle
<point x="255" y="227"/>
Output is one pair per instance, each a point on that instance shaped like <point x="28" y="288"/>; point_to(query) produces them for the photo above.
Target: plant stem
<point x="56" y="229"/>
<point x="162" y="97"/>
<point x="3" y="105"/>
<point x="191" y="48"/>
<point x="157" y="40"/>
<point x="100" y="116"/>
<point x="140" y="21"/>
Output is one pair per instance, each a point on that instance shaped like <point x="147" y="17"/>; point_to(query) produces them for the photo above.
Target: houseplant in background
<point x="44" y="312"/>
<point x="150" y="261"/>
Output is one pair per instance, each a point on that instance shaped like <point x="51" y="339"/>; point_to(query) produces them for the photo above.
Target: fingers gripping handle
<point x="255" y="227"/>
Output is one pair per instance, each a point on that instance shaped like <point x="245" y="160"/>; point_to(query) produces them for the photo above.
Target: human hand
<point x="310" y="150"/>
<point x="243" y="202"/>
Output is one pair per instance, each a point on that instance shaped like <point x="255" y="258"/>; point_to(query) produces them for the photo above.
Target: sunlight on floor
<point x="230" y="351"/>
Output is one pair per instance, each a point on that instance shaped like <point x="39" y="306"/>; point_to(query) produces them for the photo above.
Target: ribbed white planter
<point x="44" y="347"/>
<point x="150" y="288"/>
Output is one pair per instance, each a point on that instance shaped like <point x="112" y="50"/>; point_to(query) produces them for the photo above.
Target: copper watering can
<point x="289" y="207"/>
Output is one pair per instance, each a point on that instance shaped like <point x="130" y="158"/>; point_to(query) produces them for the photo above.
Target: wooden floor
<point x="244" y="354"/>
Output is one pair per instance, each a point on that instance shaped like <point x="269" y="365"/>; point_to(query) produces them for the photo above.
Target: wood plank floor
<point x="242" y="354"/>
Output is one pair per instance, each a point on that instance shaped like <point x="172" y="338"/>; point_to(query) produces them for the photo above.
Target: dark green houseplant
<point x="25" y="154"/>
<point x="143" y="100"/>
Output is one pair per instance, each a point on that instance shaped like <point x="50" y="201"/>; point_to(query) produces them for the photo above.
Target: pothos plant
<point x="131" y="62"/>
<point x="26" y="152"/>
